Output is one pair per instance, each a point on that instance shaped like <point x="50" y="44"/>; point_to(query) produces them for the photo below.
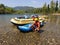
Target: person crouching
<point x="36" y="25"/>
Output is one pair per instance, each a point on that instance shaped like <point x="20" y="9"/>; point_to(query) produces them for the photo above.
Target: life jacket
<point x="37" y="23"/>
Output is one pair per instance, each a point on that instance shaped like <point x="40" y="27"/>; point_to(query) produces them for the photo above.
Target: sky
<point x="33" y="3"/>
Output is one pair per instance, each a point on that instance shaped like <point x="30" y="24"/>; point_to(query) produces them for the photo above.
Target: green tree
<point x="59" y="8"/>
<point x="44" y="9"/>
<point x="48" y="8"/>
<point x="56" y="8"/>
<point x="9" y="10"/>
<point x="52" y="7"/>
<point x="20" y="12"/>
<point x="2" y="9"/>
<point x="36" y="10"/>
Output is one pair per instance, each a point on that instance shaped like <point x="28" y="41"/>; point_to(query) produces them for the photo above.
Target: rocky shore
<point x="48" y="35"/>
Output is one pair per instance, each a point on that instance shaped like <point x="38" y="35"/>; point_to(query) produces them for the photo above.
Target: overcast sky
<point x="33" y="3"/>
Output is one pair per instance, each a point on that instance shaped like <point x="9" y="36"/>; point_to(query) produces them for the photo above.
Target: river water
<point x="5" y="24"/>
<point x="10" y="35"/>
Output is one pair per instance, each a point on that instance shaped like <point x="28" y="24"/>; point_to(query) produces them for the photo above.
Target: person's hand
<point x="37" y="29"/>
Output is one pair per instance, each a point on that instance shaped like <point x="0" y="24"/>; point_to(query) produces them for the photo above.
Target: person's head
<point x="36" y="16"/>
<point x="33" y="16"/>
<point x="36" y="19"/>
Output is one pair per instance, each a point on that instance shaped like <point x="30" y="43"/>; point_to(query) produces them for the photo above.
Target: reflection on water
<point x="5" y="24"/>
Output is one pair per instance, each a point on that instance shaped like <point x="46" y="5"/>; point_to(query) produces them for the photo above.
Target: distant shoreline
<point x="56" y="14"/>
<point x="32" y="13"/>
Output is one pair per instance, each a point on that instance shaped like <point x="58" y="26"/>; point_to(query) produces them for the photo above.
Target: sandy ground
<point x="48" y="35"/>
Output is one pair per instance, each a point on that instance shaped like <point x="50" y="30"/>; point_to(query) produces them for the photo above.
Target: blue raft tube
<point x="26" y="28"/>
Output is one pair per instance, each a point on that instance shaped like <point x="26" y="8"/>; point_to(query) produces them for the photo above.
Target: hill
<point x="23" y="8"/>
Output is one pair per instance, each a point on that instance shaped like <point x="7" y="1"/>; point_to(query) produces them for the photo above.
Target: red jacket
<point x="37" y="23"/>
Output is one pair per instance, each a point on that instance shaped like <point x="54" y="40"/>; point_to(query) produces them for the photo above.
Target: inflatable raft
<point x="26" y="28"/>
<point x="20" y="21"/>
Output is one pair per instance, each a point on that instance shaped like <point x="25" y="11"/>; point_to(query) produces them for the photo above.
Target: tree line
<point x="53" y="7"/>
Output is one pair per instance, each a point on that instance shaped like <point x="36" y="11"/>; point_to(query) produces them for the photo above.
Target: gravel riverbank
<point x="48" y="35"/>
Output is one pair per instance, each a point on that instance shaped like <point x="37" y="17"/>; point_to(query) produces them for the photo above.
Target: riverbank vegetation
<point x="53" y="7"/>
